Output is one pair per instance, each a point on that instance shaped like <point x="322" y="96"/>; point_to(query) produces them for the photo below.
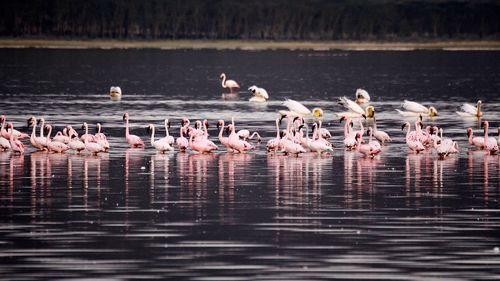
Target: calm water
<point x="136" y="214"/>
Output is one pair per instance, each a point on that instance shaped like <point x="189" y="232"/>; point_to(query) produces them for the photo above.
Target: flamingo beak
<point x="300" y="127"/>
<point x="295" y="119"/>
<point x="468" y="133"/>
<point x="227" y="130"/>
<point x="124" y="117"/>
<point x="403" y="126"/>
<point x="364" y="116"/>
<point x="342" y="119"/>
<point x="281" y="118"/>
<point x="168" y="124"/>
<point x="182" y="122"/>
<point x="218" y="125"/>
<point x="29" y="123"/>
<point x="482" y="124"/>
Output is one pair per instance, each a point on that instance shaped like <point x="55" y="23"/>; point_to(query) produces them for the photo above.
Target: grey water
<point x="136" y="214"/>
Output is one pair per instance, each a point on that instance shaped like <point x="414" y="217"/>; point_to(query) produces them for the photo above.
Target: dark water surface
<point x="136" y="214"/>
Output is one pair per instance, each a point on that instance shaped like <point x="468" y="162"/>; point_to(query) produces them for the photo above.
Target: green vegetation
<point x="257" y="19"/>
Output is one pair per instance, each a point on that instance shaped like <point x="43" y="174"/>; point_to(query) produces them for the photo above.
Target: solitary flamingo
<point x="133" y="140"/>
<point x="228" y="83"/>
<point x="162" y="144"/>
<point x="490" y="143"/>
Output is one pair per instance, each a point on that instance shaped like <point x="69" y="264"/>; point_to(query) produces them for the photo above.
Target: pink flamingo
<point x="133" y="140"/>
<point x="223" y="140"/>
<point x="319" y="144"/>
<point x="168" y="137"/>
<point x="55" y="146"/>
<point x="291" y="147"/>
<point x="349" y="135"/>
<point x="366" y="149"/>
<point x="445" y="147"/>
<point x="376" y="147"/>
<point x="62" y="136"/>
<point x="182" y="142"/>
<point x="490" y="143"/>
<point x="15" y="144"/>
<point x="235" y="142"/>
<point x="4" y="144"/>
<point x="6" y="133"/>
<point x="162" y="144"/>
<point x="87" y="136"/>
<point x="274" y="143"/>
<point x="412" y="139"/>
<point x="476" y="141"/>
<point x="93" y="147"/>
<point x="199" y="145"/>
<point x="37" y="142"/>
<point x="228" y="83"/>
<point x="101" y="138"/>
<point x="75" y="143"/>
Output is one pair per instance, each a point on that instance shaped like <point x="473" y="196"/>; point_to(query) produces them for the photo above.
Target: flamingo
<point x="412" y="139"/>
<point x="133" y="140"/>
<point x="490" y="143"/>
<point x="370" y="149"/>
<point x="318" y="145"/>
<point x="259" y="94"/>
<point x="349" y="135"/>
<point x="362" y="96"/>
<point x="93" y="147"/>
<point x="469" y="110"/>
<point x="6" y="133"/>
<point x="245" y="134"/>
<point x="291" y="147"/>
<point x="235" y="142"/>
<point x="55" y="146"/>
<point x="373" y="143"/>
<point x="37" y="142"/>
<point x="62" y="136"/>
<point x="162" y="144"/>
<point x="446" y="146"/>
<point x="476" y="141"/>
<point x="15" y="144"/>
<point x="223" y="140"/>
<point x="181" y="142"/>
<point x="354" y="110"/>
<point x="199" y="145"/>
<point x="4" y="144"/>
<point x="381" y="136"/>
<point x="297" y="109"/>
<point x="87" y="136"/>
<point x="170" y="139"/>
<point x="75" y="143"/>
<point x="228" y="83"/>
<point x="274" y="143"/>
<point x="415" y="109"/>
<point x="101" y="138"/>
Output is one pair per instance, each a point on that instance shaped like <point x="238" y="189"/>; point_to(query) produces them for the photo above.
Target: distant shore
<point x="248" y="45"/>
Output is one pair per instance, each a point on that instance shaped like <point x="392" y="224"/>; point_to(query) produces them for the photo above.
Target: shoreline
<point x="456" y="45"/>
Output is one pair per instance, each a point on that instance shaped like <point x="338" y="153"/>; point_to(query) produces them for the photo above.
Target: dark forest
<point x="260" y="19"/>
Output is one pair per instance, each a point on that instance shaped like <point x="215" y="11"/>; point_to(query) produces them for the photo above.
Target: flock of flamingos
<point x="294" y="140"/>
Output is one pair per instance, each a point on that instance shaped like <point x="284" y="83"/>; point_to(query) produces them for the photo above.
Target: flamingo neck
<point x="486" y="131"/>
<point x="471" y="137"/>
<point x="41" y="127"/>
<point x="152" y="135"/>
<point x="166" y="128"/>
<point x="224" y="81"/>
<point x="408" y="131"/>
<point x="86" y="128"/>
<point x="220" y="131"/>
<point x="277" y="128"/>
<point x="181" y="132"/>
<point x="478" y="109"/>
<point x="126" y="128"/>
<point x="362" y="128"/>
<point x="50" y="132"/>
<point x="33" y="132"/>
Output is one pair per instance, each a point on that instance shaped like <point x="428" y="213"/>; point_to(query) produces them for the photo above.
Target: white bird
<point x="354" y="110"/>
<point x="362" y="96"/>
<point x="297" y="109"/>
<point x="469" y="110"/>
<point x="162" y="144"/>
<point x="228" y="83"/>
<point x="259" y="94"/>
<point x="414" y="109"/>
<point x="115" y="92"/>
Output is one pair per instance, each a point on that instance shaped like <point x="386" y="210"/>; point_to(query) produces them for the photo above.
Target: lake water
<point x="136" y="214"/>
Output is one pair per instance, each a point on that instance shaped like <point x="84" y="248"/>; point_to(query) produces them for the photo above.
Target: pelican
<point x="115" y="92"/>
<point x="469" y="110"/>
<point x="362" y="96"/>
<point x="414" y="109"/>
<point x="354" y="109"/>
<point x="259" y="94"/>
<point x="228" y="83"/>
<point x="296" y="109"/>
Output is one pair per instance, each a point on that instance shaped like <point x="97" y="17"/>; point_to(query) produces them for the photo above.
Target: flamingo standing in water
<point x="181" y="142"/>
<point x="490" y="143"/>
<point x="37" y="142"/>
<point x="318" y="144"/>
<point x="170" y="139"/>
<point x="445" y="147"/>
<point x="381" y="136"/>
<point x="371" y="149"/>
<point x="133" y="140"/>
<point x="274" y="143"/>
<point x="6" y="133"/>
<point x="349" y="135"/>
<point x="86" y="136"/>
<point x="55" y="146"/>
<point x="162" y="144"/>
<point x="228" y="83"/>
<point x="223" y="140"/>
<point x="15" y="144"/>
<point x="412" y="139"/>
<point x="235" y="142"/>
<point x="75" y="143"/>
<point x="4" y="144"/>
<point x="199" y="145"/>
<point x="476" y="141"/>
<point x="101" y="138"/>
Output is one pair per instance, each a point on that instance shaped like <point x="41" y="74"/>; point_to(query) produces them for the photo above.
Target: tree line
<point x="256" y="19"/>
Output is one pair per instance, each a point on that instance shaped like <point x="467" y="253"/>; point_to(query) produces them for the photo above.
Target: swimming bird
<point x="297" y="109"/>
<point x="362" y="96"/>
<point x="228" y="83"/>
<point x="133" y="140"/>
<point x="414" y="109"/>
<point x="490" y="143"/>
<point x="160" y="145"/>
<point x="354" y="110"/>
<point x="476" y="141"/>
<point x="115" y="92"/>
<point x="259" y="94"/>
<point x="412" y="139"/>
<point x="469" y="110"/>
